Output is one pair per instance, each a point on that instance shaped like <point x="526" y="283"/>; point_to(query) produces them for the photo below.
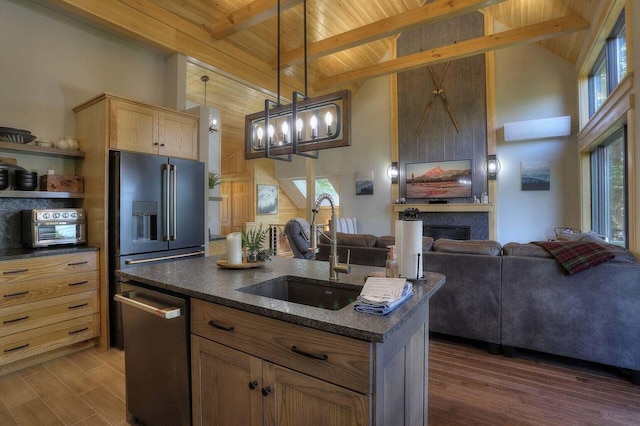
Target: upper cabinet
<point x="143" y="128"/>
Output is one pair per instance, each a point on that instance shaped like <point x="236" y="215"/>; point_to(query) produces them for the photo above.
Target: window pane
<point x="615" y="188"/>
<point x="322" y="185"/>
<point x="620" y="46"/>
<point x="599" y="85"/>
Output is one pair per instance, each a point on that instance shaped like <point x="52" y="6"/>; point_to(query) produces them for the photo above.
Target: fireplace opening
<point x="446" y="231"/>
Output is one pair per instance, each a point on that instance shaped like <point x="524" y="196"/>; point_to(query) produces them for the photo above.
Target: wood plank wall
<point x="465" y="90"/>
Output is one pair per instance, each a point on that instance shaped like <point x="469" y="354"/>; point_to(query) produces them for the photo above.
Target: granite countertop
<point x="23" y="253"/>
<point x="201" y="278"/>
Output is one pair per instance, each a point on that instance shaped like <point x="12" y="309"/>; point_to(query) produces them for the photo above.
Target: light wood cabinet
<point x="142" y="128"/>
<point x="47" y="304"/>
<point x="231" y="387"/>
<point x="309" y="376"/>
<point x="112" y="122"/>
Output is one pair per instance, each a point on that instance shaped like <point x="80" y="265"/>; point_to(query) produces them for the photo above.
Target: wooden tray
<point x="244" y="265"/>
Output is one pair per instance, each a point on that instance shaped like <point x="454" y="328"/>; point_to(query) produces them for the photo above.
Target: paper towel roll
<point x="234" y="248"/>
<point x="409" y="248"/>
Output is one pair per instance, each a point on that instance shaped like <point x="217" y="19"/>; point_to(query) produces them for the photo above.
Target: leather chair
<point x="299" y="244"/>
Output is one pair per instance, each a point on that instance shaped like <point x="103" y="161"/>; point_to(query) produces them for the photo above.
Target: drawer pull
<point x="78" y="283"/>
<point x="17" y="271"/>
<point x="15" y="319"/>
<point x="253" y="385"/>
<point x="78" y="306"/>
<point x="22" y="293"/>
<point x="220" y="327"/>
<point x="78" y="331"/>
<point x="321" y="357"/>
<point x="16" y="348"/>
<point x="77" y="263"/>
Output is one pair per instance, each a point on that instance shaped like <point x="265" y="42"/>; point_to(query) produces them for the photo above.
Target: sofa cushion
<point x="356" y="240"/>
<point x="525" y="249"/>
<point x="388" y="240"/>
<point x="486" y="247"/>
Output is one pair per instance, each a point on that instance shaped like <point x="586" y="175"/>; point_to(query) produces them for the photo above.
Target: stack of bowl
<point x="26" y="181"/>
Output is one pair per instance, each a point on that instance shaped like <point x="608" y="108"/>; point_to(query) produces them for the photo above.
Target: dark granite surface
<point x="203" y="279"/>
<point x="23" y="253"/>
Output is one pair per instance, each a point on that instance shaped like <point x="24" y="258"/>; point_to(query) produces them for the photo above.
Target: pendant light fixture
<point x="213" y="123"/>
<point x="303" y="127"/>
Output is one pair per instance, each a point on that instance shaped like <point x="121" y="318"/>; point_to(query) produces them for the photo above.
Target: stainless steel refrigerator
<point x="156" y="214"/>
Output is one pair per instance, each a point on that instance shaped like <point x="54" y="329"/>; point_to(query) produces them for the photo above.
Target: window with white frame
<point x="609" y="188"/>
<point x="610" y="67"/>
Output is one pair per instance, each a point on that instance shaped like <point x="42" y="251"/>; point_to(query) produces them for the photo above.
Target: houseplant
<point x="214" y="180"/>
<point x="253" y="240"/>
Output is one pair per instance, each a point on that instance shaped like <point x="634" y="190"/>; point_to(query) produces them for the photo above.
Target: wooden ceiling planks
<point x="249" y="53"/>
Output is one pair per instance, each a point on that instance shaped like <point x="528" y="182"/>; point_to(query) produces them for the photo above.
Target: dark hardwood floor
<point x="467" y="386"/>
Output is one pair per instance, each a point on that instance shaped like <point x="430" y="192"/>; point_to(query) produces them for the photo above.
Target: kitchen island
<point x="258" y="359"/>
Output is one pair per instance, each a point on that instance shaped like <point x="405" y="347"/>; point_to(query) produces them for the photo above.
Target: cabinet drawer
<point x="33" y="290"/>
<point x="26" y="316"/>
<point x="330" y="357"/>
<point x="35" y="268"/>
<point x="43" y="339"/>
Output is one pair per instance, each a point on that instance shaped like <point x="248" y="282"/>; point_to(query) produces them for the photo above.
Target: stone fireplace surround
<point x="476" y="216"/>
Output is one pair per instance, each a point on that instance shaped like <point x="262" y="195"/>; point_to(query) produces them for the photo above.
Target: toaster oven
<point x="47" y="227"/>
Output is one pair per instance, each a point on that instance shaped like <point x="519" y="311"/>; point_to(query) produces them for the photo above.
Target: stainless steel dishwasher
<point x="156" y="356"/>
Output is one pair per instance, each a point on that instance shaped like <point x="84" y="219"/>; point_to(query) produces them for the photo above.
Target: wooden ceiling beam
<point x="250" y="15"/>
<point x="461" y="49"/>
<point x="436" y="11"/>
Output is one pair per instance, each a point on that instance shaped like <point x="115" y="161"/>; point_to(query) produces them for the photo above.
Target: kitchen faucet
<point x="334" y="265"/>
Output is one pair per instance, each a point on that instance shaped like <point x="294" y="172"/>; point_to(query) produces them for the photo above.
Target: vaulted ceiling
<point x="234" y="42"/>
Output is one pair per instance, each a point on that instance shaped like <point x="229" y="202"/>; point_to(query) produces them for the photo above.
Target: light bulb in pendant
<point x="260" y="134"/>
<point x="328" y="119"/>
<point x="299" y="125"/>
<point x="271" y="131"/>
<point x="285" y="132"/>
<point x="313" y="122"/>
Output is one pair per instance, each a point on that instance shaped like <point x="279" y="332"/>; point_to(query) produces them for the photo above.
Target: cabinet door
<point x="133" y="127"/>
<point x="222" y="380"/>
<point x="178" y="136"/>
<point x="297" y="399"/>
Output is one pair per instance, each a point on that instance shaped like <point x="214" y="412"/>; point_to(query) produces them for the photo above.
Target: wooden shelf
<point x="449" y="207"/>
<point x="40" y="194"/>
<point x="39" y="150"/>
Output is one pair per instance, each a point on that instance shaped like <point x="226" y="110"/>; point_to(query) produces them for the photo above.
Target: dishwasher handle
<point x="165" y="313"/>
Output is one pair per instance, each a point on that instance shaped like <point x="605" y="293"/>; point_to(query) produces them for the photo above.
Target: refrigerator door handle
<point x="128" y="298"/>
<point x="174" y="169"/>
<point x="165" y="170"/>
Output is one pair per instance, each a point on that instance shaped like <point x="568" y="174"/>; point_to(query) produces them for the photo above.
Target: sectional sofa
<point x="519" y="296"/>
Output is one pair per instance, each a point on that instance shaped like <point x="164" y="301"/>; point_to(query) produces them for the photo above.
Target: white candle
<point x="234" y="248"/>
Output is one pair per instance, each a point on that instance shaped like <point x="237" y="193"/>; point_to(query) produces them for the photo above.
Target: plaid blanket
<point x="576" y="256"/>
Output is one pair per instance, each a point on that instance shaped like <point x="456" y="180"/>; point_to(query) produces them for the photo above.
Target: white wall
<point x="50" y="64"/>
<point x="369" y="150"/>
<point x="533" y="83"/>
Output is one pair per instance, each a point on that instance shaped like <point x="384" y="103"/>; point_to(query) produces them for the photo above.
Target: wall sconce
<point x="492" y="167"/>
<point x="393" y="172"/>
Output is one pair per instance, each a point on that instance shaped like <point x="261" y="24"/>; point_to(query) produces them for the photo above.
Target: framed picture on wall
<point x="536" y="176"/>
<point x="267" y="199"/>
<point x="364" y="183"/>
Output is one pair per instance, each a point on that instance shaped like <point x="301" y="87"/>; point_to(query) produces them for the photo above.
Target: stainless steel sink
<point x="316" y="293"/>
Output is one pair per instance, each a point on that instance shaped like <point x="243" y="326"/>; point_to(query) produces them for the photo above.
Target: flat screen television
<point x="438" y="179"/>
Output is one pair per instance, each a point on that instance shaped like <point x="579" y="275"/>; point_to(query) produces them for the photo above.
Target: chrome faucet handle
<point x="344" y="268"/>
